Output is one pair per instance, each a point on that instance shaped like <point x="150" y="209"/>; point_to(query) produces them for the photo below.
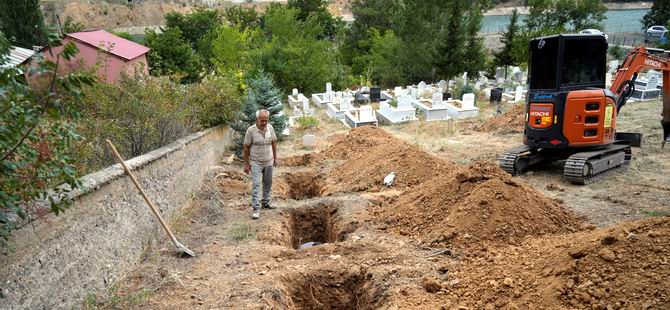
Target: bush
<point x="307" y="121"/>
<point x="215" y="99"/>
<point x="142" y="113"/>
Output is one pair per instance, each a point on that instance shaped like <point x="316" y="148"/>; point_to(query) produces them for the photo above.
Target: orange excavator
<point x="571" y="116"/>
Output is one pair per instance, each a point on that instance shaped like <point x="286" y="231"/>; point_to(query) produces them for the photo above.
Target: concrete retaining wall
<point x="102" y="236"/>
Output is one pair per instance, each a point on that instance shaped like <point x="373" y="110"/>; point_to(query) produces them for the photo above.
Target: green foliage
<point x="476" y="59"/>
<point x="172" y="55"/>
<point x="616" y="51"/>
<point x="138" y="113"/>
<point x="113" y="300"/>
<point x="215" y="100"/>
<point x="556" y="16"/>
<point x="512" y="52"/>
<point x="70" y="26"/>
<point x="193" y="25"/>
<point x="317" y="11"/>
<point x="124" y="35"/>
<point x="368" y="14"/>
<point x="262" y="94"/>
<point x="36" y="131"/>
<point x="658" y="15"/>
<point x="307" y="121"/>
<point x="22" y="23"/>
<point x="294" y="55"/>
<point x="381" y="59"/>
<point x="244" y="18"/>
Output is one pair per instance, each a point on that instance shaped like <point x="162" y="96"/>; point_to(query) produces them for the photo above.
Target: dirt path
<point x="453" y="232"/>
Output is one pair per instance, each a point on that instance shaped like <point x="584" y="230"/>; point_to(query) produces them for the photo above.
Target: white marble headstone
<point x="367" y="114"/>
<point x="652" y="82"/>
<point x="295" y="92"/>
<point x="468" y="101"/>
<point x="443" y="86"/>
<point x="398" y="91"/>
<point x="309" y="140"/>
<point x="518" y="94"/>
<point x="404" y="102"/>
<point x="421" y="87"/>
<point x="346" y="103"/>
<point x="305" y="106"/>
<point x="437" y="100"/>
<point x="329" y="87"/>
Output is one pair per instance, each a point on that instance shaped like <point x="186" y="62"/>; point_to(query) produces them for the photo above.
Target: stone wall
<point x="59" y="261"/>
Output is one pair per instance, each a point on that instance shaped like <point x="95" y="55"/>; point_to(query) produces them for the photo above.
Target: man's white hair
<point x="258" y="113"/>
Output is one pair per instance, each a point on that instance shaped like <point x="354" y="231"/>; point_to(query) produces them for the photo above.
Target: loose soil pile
<point x="475" y="205"/>
<point x="366" y="155"/>
<point x="511" y="121"/>
<point x="623" y="267"/>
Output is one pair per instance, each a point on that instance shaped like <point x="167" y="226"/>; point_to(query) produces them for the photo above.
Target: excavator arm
<point x="623" y="86"/>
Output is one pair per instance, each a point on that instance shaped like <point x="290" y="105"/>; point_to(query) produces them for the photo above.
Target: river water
<point x="618" y="21"/>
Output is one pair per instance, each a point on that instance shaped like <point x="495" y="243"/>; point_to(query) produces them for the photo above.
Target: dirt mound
<point x="474" y="205"/>
<point x="370" y="154"/>
<point x="511" y="121"/>
<point x="622" y="267"/>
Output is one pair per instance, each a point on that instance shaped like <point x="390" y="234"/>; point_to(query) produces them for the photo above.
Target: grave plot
<point x="341" y="104"/>
<point x="458" y="109"/>
<point x="397" y="110"/>
<point x="648" y="87"/>
<point x="365" y="116"/>
<point x="432" y="110"/>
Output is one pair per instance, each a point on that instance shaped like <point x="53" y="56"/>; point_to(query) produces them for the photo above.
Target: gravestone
<point x="478" y="85"/>
<point x="367" y="114"/>
<point x="375" y="94"/>
<point x="468" y="101"/>
<point x="518" y="95"/>
<point x="309" y="140"/>
<point x="346" y="103"/>
<point x="500" y="73"/>
<point x="329" y="87"/>
<point x="446" y="96"/>
<point x="518" y="74"/>
<point x="652" y="81"/>
<point x="443" y="86"/>
<point x="305" y="106"/>
<point x="405" y="102"/>
<point x="421" y="87"/>
<point x="295" y="92"/>
<point x="437" y="100"/>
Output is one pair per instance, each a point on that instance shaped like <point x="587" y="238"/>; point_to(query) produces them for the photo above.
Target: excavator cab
<point x="567" y="102"/>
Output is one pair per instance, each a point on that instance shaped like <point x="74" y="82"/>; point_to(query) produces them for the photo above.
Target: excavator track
<point x="584" y="167"/>
<point x="508" y="160"/>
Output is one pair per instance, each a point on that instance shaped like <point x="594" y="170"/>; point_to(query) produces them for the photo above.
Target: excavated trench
<point x="331" y="289"/>
<point x="300" y="185"/>
<point x="320" y="223"/>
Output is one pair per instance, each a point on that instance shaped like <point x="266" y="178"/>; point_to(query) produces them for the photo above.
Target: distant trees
<point x="555" y="16"/>
<point x="512" y="51"/>
<point x="658" y="15"/>
<point x="22" y="23"/>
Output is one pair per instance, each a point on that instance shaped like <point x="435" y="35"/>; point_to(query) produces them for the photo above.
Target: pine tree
<point x="22" y="22"/>
<point x="506" y="57"/>
<point x="262" y="94"/>
<point x="476" y="59"/>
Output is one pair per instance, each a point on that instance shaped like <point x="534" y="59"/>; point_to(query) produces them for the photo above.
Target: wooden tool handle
<point x="144" y="195"/>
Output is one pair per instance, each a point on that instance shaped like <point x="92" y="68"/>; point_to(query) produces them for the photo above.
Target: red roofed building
<point x="108" y="53"/>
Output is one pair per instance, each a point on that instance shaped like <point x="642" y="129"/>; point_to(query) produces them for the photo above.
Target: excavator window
<point x="543" y="63"/>
<point x="582" y="62"/>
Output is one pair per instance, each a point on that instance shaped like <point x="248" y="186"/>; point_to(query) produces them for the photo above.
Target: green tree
<point x="172" y="55"/>
<point x="193" y="25"/>
<point x="262" y="94"/>
<point x="245" y="18"/>
<point x="368" y="14"/>
<point x="556" y="16"/>
<point x="452" y="49"/>
<point x="317" y="11"/>
<point x="293" y="53"/>
<point x="588" y="14"/>
<point x="508" y="56"/>
<point x="22" y="22"/>
<point x="476" y="58"/>
<point x="658" y="15"/>
<point x="382" y="61"/>
<point x="36" y="131"/>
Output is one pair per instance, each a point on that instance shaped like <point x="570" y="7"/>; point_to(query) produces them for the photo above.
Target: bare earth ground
<point x="454" y="232"/>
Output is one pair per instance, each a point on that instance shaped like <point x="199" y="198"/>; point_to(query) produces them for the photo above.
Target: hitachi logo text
<point x="653" y="63"/>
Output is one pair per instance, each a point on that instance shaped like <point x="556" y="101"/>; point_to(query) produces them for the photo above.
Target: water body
<point x="618" y="21"/>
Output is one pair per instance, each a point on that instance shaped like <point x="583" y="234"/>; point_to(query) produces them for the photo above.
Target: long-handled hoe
<point x="180" y="247"/>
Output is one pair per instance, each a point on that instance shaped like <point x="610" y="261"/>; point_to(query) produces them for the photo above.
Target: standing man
<point x="260" y="157"/>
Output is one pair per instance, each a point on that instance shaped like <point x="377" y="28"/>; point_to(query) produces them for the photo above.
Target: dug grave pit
<point x="330" y="289"/>
<point x="299" y="185"/>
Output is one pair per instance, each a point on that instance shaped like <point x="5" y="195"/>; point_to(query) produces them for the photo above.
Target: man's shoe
<point x="269" y="206"/>
<point x="256" y="214"/>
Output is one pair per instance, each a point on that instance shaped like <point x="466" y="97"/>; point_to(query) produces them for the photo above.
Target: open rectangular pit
<point x="331" y="289"/>
<point x="314" y="224"/>
<point x="302" y="185"/>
